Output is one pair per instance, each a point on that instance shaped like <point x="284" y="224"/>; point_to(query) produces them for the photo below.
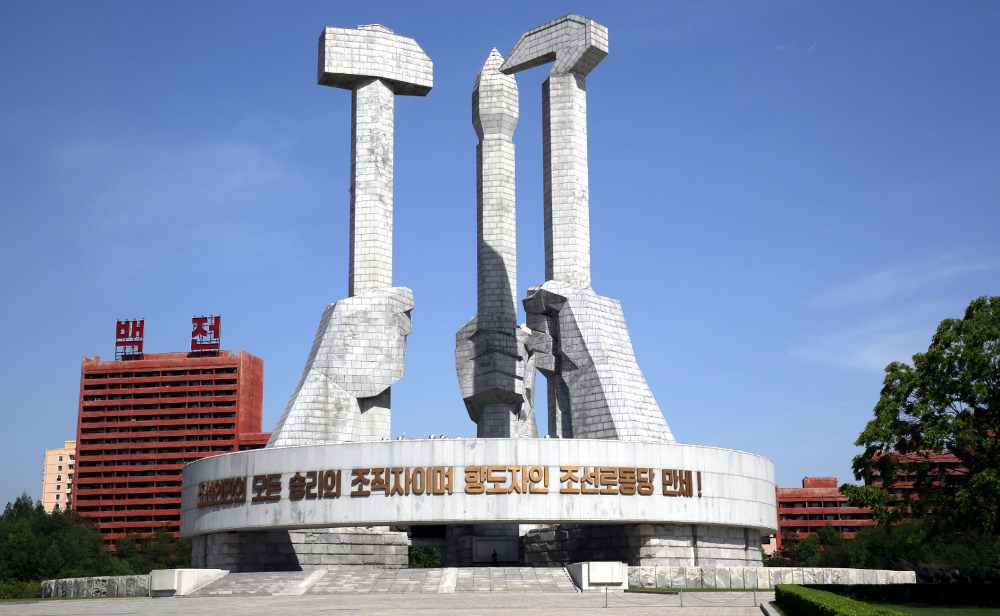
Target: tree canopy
<point x="947" y="402"/>
<point x="36" y="545"/>
<point x="901" y="547"/>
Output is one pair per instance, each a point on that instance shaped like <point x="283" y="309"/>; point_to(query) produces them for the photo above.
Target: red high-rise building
<point x="144" y="417"/>
<point x="817" y="503"/>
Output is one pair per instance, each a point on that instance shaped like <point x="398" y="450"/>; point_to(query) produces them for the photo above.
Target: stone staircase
<point x="260" y="583"/>
<point x="350" y="580"/>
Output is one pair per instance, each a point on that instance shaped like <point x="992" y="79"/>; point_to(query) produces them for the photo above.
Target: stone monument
<point x="609" y="482"/>
<point x="344" y="393"/>
<point x="495" y="370"/>
<point x="580" y="341"/>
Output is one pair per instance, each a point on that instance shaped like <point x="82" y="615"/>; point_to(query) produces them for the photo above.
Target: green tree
<point x="23" y="560"/>
<point x="127" y="547"/>
<point x="128" y="551"/>
<point x="772" y="560"/>
<point x="898" y="547"/>
<point x="157" y="550"/>
<point x="908" y="546"/>
<point x="798" y="551"/>
<point x="834" y="548"/>
<point x="827" y="547"/>
<point x="427" y="557"/>
<point x="948" y="401"/>
<point x="21" y="509"/>
<point x="36" y="545"/>
<point x="165" y="551"/>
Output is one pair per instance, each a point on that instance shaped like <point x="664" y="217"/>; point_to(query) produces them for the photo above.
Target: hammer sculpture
<point x="358" y="352"/>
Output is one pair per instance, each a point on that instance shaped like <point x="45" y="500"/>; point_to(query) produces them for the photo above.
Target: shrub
<point x="808" y="601"/>
<point x="984" y="594"/>
<point x="425" y="557"/>
<point x="15" y="589"/>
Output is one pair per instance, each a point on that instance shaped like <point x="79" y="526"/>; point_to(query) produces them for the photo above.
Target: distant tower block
<point x="375" y="65"/>
<point x="580" y="341"/>
<point x="358" y="352"/>
<point x="495" y="372"/>
<point x="577" y="45"/>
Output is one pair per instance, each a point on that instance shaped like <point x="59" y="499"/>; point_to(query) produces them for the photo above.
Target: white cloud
<point x="889" y="314"/>
<point x="899" y="281"/>
<point x="867" y="347"/>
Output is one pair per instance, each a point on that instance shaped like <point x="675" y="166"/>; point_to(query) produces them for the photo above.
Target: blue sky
<point x="785" y="197"/>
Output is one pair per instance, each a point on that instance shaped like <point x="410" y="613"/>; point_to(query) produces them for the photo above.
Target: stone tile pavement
<point x="351" y="580"/>
<point x="399" y="604"/>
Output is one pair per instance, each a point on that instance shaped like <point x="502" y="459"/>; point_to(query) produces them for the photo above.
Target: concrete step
<point x="261" y="583"/>
<point x="346" y="580"/>
<point x="513" y="579"/>
<point x="349" y="580"/>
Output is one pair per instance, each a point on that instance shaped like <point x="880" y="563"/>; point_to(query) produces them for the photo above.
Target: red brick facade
<point x="944" y="462"/>
<point x="817" y="503"/>
<point x="141" y="420"/>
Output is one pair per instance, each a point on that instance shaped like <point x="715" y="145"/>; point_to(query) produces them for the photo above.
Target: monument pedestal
<point x="643" y="503"/>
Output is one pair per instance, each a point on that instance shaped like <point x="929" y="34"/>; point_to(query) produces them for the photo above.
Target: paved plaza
<point x="398" y="604"/>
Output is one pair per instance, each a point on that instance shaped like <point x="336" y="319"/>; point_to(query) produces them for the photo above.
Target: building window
<point x="57" y="497"/>
<point x="60" y="467"/>
<point x="59" y="486"/>
<point x="72" y="457"/>
<point x="58" y="477"/>
<point x="60" y="458"/>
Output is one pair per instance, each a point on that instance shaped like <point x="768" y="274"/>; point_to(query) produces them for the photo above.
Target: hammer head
<point x="576" y="44"/>
<point x="347" y="55"/>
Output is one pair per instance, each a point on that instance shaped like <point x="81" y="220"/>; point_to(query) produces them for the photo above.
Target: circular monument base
<point x="644" y="503"/>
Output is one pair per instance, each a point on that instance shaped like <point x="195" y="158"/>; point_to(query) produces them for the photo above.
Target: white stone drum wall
<point x="737" y="487"/>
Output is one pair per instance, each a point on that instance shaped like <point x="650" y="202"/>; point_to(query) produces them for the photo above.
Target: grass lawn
<point x="924" y="609"/>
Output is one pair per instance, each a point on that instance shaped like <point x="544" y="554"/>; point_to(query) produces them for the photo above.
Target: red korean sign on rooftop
<point x="206" y="333"/>
<point x="128" y="337"/>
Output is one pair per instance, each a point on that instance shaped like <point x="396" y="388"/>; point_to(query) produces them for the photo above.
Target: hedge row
<point x="803" y="601"/>
<point x="942" y="594"/>
<point x="15" y="589"/>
